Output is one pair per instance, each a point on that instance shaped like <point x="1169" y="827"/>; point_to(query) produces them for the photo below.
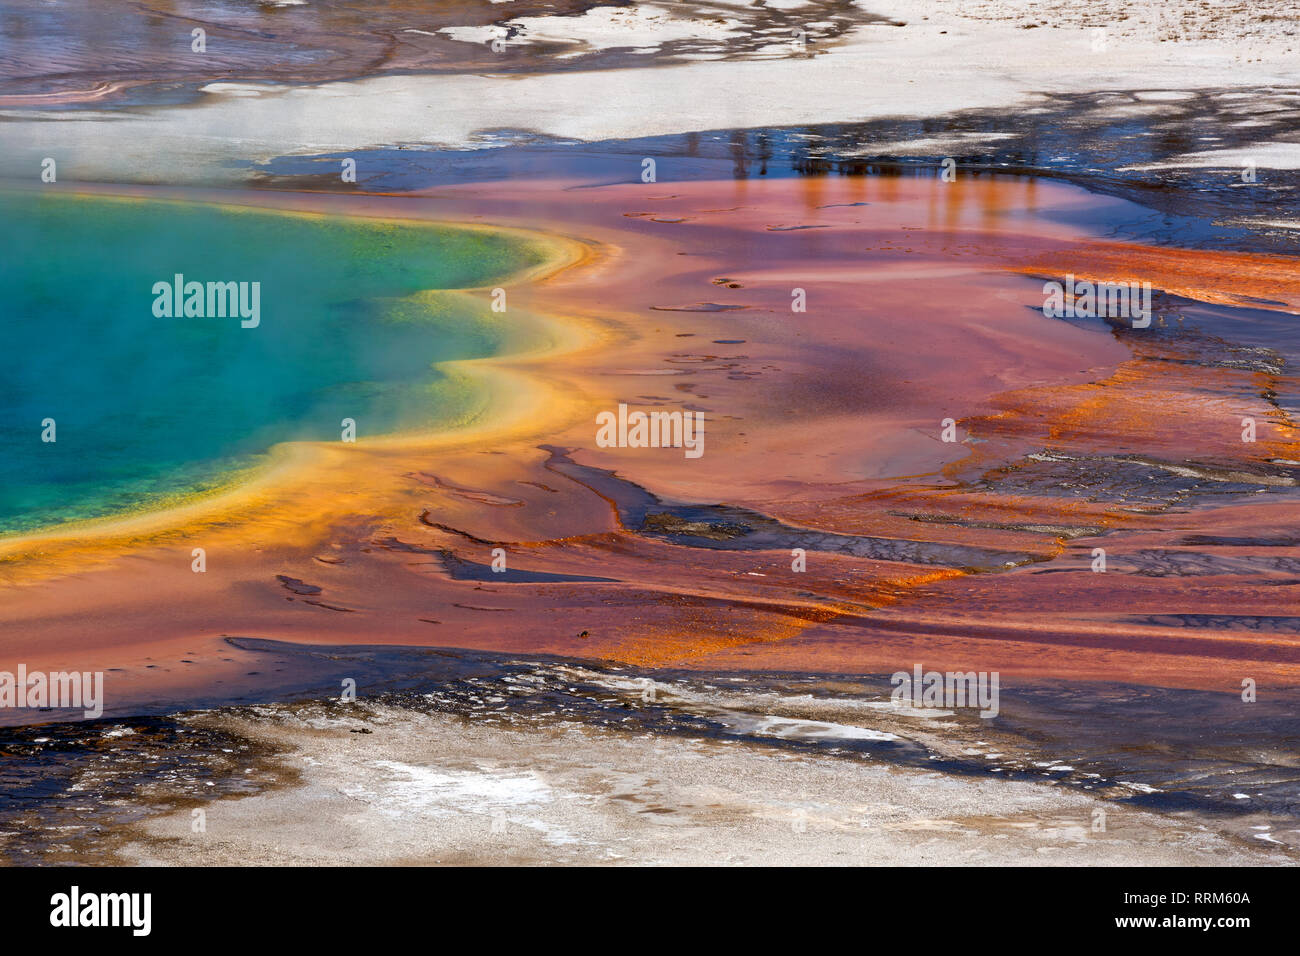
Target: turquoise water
<point x="150" y="408"/>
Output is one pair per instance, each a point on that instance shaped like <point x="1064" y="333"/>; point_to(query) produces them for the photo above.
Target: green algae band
<point x="144" y="409"/>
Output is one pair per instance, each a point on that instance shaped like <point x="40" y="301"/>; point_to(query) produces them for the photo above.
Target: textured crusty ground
<point x="428" y="789"/>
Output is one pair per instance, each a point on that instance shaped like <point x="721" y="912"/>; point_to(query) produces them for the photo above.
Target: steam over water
<point x="147" y="409"/>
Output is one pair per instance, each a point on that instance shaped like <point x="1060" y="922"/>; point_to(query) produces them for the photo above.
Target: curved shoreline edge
<point x="813" y="419"/>
<point x="513" y="397"/>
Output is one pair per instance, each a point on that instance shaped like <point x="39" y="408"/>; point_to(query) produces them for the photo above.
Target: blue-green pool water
<point x="148" y="408"/>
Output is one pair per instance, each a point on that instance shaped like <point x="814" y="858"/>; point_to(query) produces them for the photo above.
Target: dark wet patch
<point x="331" y="607"/>
<point x="1163" y="562"/>
<point x="1234" y="541"/>
<point x="699" y="307"/>
<point x="68" y="789"/>
<point x="438" y="525"/>
<point x="297" y="586"/>
<point x="724" y="527"/>
<point x="1129" y="482"/>
<point x="540" y="486"/>
<point x="1263" y="623"/>
<point x="462" y="569"/>
<point x="669" y="524"/>
<point x="1059" y="531"/>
